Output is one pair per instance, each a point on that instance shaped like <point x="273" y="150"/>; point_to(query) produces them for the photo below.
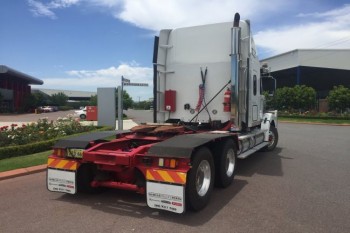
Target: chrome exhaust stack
<point x="235" y="73"/>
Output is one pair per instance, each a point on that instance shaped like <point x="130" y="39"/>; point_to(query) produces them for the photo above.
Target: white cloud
<point x="156" y="15"/>
<point x="90" y="80"/>
<point x="46" y="10"/>
<point x="106" y="3"/>
<point x="39" y="9"/>
<point x="330" y="29"/>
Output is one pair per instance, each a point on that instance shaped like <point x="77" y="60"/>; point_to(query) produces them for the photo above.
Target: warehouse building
<point x="321" y="69"/>
<point x="72" y="95"/>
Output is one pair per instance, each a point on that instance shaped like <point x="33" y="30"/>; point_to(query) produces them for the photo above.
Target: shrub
<point x="14" y="151"/>
<point x="339" y="98"/>
<point x="35" y="147"/>
<point x="295" y="98"/>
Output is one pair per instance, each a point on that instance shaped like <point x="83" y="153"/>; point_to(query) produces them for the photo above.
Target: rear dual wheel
<point x="225" y="163"/>
<point x="200" y="179"/>
<point x="85" y="176"/>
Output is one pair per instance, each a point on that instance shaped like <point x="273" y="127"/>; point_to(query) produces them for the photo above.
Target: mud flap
<point x="170" y="197"/>
<point x="61" y="181"/>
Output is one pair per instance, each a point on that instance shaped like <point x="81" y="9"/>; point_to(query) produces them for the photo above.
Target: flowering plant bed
<point x="37" y="137"/>
<point x="42" y="130"/>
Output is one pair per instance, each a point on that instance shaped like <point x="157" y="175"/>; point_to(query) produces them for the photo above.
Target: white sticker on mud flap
<point x="61" y="181"/>
<point x="166" y="197"/>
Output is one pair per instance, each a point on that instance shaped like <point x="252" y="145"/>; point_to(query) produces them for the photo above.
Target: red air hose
<point x="201" y="97"/>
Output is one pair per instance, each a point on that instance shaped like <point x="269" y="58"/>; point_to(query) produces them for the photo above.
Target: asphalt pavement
<point x="302" y="186"/>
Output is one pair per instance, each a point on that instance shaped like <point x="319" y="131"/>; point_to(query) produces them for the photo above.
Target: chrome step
<point x="250" y="143"/>
<point x="253" y="150"/>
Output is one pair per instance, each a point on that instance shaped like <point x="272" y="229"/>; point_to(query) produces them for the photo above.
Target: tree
<point x="30" y="102"/>
<point x="93" y="100"/>
<point x="339" y="98"/>
<point x="127" y="100"/>
<point x="39" y="99"/>
<point x="143" y="105"/>
<point x="59" y="99"/>
<point x="34" y="100"/>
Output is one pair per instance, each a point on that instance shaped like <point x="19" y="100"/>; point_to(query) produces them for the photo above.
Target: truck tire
<point x="200" y="179"/>
<point x="273" y="139"/>
<point x="82" y="116"/>
<point x="85" y="176"/>
<point x="225" y="163"/>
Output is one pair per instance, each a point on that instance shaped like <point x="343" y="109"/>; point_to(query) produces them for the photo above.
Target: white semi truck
<point x="208" y="112"/>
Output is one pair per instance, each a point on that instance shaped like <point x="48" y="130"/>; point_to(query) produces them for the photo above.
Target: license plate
<point x="166" y="197"/>
<point x="61" y="181"/>
<point x="75" y="153"/>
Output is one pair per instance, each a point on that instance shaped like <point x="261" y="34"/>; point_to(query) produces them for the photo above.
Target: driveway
<point x="302" y="186"/>
<point x="32" y="117"/>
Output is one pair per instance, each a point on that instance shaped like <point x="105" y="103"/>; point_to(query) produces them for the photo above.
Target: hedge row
<point x="15" y="151"/>
<point x="316" y="117"/>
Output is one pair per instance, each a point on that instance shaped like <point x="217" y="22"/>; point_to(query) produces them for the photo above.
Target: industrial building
<point x="321" y="69"/>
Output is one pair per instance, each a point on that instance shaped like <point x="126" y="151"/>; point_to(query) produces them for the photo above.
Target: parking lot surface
<point x="303" y="186"/>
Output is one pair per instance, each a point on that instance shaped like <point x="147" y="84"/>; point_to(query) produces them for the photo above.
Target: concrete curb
<point x="22" y="172"/>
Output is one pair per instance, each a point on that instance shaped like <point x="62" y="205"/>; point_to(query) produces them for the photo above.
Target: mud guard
<point x="183" y="145"/>
<point x="269" y="118"/>
<point x="82" y="141"/>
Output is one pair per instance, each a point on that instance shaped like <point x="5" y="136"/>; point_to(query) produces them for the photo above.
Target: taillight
<point x="167" y="163"/>
<point x="59" y="152"/>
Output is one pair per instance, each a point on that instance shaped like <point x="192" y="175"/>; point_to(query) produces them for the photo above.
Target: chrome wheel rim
<point x="271" y="138"/>
<point x="203" y="178"/>
<point x="230" y="162"/>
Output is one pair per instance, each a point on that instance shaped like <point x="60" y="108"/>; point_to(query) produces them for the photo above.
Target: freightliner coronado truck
<point x="208" y="112"/>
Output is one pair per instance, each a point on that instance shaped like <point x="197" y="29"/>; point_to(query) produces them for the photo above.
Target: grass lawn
<point x="305" y="120"/>
<point x="24" y="161"/>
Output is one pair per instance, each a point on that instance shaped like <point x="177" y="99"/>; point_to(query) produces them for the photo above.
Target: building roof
<point x="321" y="58"/>
<point x="7" y="71"/>
<point x="69" y="93"/>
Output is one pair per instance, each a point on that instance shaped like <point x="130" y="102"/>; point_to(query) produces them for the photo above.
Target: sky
<point x="85" y="44"/>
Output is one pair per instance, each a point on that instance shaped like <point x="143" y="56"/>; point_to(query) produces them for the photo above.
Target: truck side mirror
<point x="268" y="83"/>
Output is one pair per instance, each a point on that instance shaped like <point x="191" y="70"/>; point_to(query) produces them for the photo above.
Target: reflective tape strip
<point x="62" y="164"/>
<point x="166" y="176"/>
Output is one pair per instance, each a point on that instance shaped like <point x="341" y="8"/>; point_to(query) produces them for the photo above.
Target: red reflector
<point x="167" y="163"/>
<point x="59" y="152"/>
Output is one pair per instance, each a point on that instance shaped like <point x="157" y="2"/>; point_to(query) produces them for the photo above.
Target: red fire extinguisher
<point x="227" y="100"/>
